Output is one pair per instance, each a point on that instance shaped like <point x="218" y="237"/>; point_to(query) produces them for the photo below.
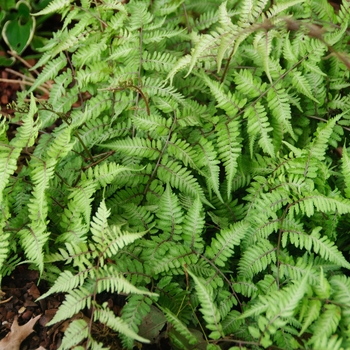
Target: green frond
<point x="297" y="269"/>
<point x="327" y="323"/>
<point x="256" y="258"/>
<point x="317" y="201"/>
<point x="76" y="300"/>
<point x="312" y="313"/>
<point x="54" y="6"/>
<point x="170" y="256"/>
<point x="169" y="214"/>
<point x="251" y="10"/>
<point x="172" y="172"/>
<point x="319" y="145"/>
<point x="258" y="126"/>
<point x="106" y="173"/>
<point x="108" y="318"/>
<point x="90" y="52"/>
<point x="205" y="41"/>
<point x="182" y="150"/>
<point x="341" y="293"/>
<point x="230" y="103"/>
<point x="320" y="245"/>
<point x="278" y="305"/>
<point x="10" y="151"/>
<point x="229" y="146"/>
<point x="208" y="308"/>
<point x="302" y="85"/>
<point x="182" y="63"/>
<point x="324" y="342"/>
<point x="138" y="218"/>
<point x="77" y="331"/>
<point x="153" y="122"/>
<point x="248" y="85"/>
<point x="179" y="326"/>
<point x="66" y="282"/>
<point x="278" y="103"/>
<point x="276" y="9"/>
<point x="193" y="225"/>
<point x="231" y="323"/>
<point x="210" y="166"/>
<point x="187" y="158"/>
<point x="324" y="10"/>
<point x="221" y="248"/>
<point x="156" y="88"/>
<point x="136" y="308"/>
<point x="113" y="240"/>
<point x="171" y="296"/>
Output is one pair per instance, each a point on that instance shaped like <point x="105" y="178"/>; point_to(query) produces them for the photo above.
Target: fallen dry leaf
<point x="13" y="340"/>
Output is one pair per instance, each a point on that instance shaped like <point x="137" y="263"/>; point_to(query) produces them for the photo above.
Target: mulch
<point x="20" y="292"/>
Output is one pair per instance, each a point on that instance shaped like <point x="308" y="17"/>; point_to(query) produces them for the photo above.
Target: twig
<point x="19" y="58"/>
<point x="13" y="81"/>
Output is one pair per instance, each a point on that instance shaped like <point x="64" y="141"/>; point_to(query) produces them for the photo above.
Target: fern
<point x="192" y="157"/>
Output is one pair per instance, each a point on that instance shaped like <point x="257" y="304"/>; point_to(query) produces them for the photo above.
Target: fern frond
<point x="229" y="146"/>
<point x="259" y="126"/>
<point x="302" y="85"/>
<point x="153" y="122"/>
<point x="210" y="168"/>
<point x="312" y="314"/>
<point x="208" y="308"/>
<point x="138" y="218"/>
<point x="327" y="323"/>
<point x="179" y="326"/>
<point x="76" y="300"/>
<point x="278" y="103"/>
<point x="341" y="294"/>
<point x="113" y="240"/>
<point x="320" y="245"/>
<point x="180" y="178"/>
<point x="205" y="41"/>
<point x="317" y="201"/>
<point x="77" y="331"/>
<point x="256" y="258"/>
<point x="221" y="248"/>
<point x="279" y="304"/>
<point x="319" y="144"/>
<point x="183" y="151"/>
<point x="172" y="257"/>
<point x="248" y="85"/>
<point x="169" y="214"/>
<point x="137" y="307"/>
<point x="108" y="318"/>
<point x="54" y="6"/>
<point x="9" y="152"/>
<point x="180" y="64"/>
<point x="275" y="9"/>
<point x="193" y="225"/>
<point x="230" y="103"/>
<point x="137" y="147"/>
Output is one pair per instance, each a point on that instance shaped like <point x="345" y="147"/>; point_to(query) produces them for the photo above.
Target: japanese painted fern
<point x="192" y="167"/>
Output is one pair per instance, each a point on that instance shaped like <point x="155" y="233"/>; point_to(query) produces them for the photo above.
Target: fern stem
<point x="325" y="120"/>
<point x="24" y="62"/>
<point x="224" y="277"/>
<point x="74" y="79"/>
<point x="189" y="29"/>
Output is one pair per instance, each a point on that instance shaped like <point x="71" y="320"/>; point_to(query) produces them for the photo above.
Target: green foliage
<point x="19" y="27"/>
<point x="193" y="166"/>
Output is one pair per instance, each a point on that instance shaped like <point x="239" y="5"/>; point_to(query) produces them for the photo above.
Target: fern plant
<point x="192" y="167"/>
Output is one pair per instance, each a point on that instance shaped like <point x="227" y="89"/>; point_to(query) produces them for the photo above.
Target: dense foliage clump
<point x="198" y="166"/>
